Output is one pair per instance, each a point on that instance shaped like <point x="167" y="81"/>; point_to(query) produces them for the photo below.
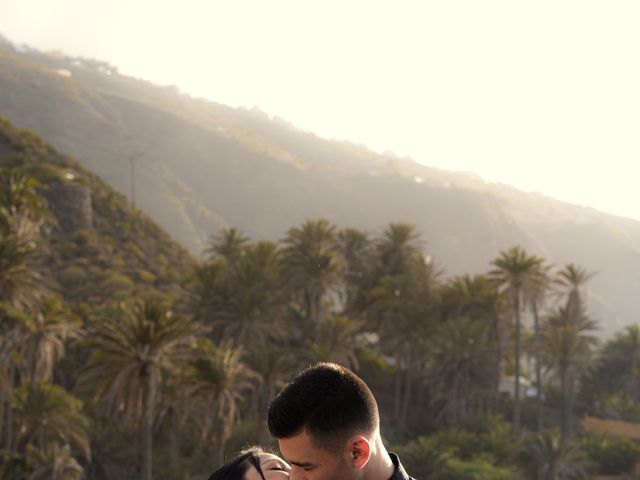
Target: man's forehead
<point x="296" y="445"/>
<point x="299" y="449"/>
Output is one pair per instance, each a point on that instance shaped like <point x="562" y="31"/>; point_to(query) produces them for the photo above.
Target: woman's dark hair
<point x="236" y="468"/>
<point x="329" y="401"/>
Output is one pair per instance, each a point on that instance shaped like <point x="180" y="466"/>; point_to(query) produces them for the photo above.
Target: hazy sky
<point x="542" y="95"/>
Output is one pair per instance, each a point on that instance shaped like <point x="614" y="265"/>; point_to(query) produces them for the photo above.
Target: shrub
<point x="117" y="285"/>
<point x="612" y="455"/>
<point x="424" y="457"/>
<point x="73" y="275"/>
<point x="477" y="468"/>
<point x="495" y="437"/>
<point x="431" y="457"/>
<point x="464" y="444"/>
<point x="85" y="237"/>
<point x="144" y="276"/>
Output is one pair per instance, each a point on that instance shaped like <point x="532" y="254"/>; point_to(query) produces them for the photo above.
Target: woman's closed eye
<point x="276" y="466"/>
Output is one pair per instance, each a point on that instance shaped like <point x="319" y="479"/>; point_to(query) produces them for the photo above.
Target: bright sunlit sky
<point x="542" y="95"/>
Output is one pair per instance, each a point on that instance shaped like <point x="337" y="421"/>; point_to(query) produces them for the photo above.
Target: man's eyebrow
<point x="301" y="464"/>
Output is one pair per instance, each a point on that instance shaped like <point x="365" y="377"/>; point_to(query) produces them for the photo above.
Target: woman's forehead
<point x="266" y="457"/>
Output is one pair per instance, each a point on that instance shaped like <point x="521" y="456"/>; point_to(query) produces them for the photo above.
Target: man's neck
<point x="380" y="466"/>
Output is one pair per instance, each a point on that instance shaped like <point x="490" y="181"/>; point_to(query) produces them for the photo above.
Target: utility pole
<point x="132" y="159"/>
<point x="136" y="150"/>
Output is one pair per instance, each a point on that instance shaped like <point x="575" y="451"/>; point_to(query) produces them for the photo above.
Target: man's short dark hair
<point x="330" y="401"/>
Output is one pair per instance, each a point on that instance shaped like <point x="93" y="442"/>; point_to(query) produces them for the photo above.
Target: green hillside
<point x="98" y="248"/>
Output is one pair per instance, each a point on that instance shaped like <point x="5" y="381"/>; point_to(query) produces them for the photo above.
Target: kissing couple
<point x="327" y="425"/>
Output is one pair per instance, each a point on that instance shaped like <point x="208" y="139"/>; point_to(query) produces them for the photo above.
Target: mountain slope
<point x="197" y="166"/>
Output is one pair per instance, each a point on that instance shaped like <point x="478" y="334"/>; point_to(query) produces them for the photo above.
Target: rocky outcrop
<point x="71" y="204"/>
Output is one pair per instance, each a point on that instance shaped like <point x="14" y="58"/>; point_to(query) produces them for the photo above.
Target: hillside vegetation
<point x="122" y="357"/>
<point x="96" y="248"/>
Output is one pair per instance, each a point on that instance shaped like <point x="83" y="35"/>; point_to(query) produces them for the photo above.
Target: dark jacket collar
<point x="398" y="473"/>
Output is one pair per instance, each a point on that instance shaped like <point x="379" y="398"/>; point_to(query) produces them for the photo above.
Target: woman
<point x="253" y="464"/>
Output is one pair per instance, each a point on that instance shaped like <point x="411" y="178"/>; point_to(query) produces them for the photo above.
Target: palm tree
<point x="21" y="285"/>
<point x="618" y="368"/>
<point x="111" y="452"/>
<point x="219" y="380"/>
<point x="629" y="343"/>
<point x="55" y="463"/>
<point x="399" y="304"/>
<point x="567" y="345"/>
<point x="311" y="266"/>
<point x="274" y="364"/>
<point x="172" y="413"/>
<point x="545" y="456"/>
<point x="130" y="355"/>
<point x="460" y="368"/>
<point x="33" y="345"/>
<point x="390" y="306"/>
<point x="10" y="362"/>
<point x="23" y="211"/>
<point x="229" y="245"/>
<point x="19" y="196"/>
<point x="43" y="338"/>
<point x="255" y="310"/>
<point x="397" y="248"/>
<point x="336" y="342"/>
<point x="212" y="291"/>
<point x="572" y="279"/>
<point x="478" y="298"/>
<point x="7" y="356"/>
<point x="514" y="272"/>
<point x="536" y="296"/>
<point x="355" y="247"/>
<point x="245" y="301"/>
<point x="403" y="300"/>
<point x="47" y="413"/>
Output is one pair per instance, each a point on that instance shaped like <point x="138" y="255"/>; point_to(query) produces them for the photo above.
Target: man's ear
<point x="358" y="451"/>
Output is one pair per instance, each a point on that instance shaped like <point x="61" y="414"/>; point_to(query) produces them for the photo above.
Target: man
<point x="328" y="428"/>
